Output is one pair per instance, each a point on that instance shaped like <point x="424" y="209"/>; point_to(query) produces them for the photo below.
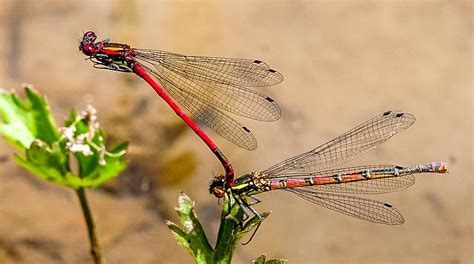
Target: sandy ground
<point x="343" y="63"/>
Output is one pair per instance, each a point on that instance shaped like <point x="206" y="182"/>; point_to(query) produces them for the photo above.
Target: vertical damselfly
<point x="202" y="85"/>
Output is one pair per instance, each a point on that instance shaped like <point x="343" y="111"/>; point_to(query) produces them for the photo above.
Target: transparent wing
<point x="231" y="71"/>
<point x="212" y="117"/>
<point x="220" y="82"/>
<point x="365" y="209"/>
<point x="347" y="146"/>
<point x="389" y="183"/>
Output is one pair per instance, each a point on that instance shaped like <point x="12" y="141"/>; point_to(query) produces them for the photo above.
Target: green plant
<point x="262" y="259"/>
<point x="49" y="151"/>
<point x="232" y="229"/>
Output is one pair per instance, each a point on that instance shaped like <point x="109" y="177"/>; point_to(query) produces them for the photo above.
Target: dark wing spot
<point x="269" y="99"/>
<point x="272" y="70"/>
<point x="257" y="61"/>
<point x="387" y="113"/>
<point x="387" y="205"/>
<point x="246" y="129"/>
<point x="399" y="115"/>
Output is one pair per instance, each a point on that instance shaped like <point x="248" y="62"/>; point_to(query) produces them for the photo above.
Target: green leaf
<point x="44" y="127"/>
<point x="53" y="157"/>
<point x="97" y="173"/>
<point x="179" y="234"/>
<point x="48" y="163"/>
<point x="42" y="172"/>
<point x="192" y="236"/>
<point x="276" y="261"/>
<point x="23" y="121"/>
<point x="263" y="260"/>
<point x="29" y="126"/>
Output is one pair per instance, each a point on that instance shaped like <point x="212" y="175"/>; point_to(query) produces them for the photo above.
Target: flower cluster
<point x="83" y="143"/>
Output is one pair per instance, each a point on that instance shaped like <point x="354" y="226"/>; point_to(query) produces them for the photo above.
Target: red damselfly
<point x="307" y="174"/>
<point x="202" y="85"/>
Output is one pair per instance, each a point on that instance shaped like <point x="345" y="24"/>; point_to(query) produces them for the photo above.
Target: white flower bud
<point x="82" y="148"/>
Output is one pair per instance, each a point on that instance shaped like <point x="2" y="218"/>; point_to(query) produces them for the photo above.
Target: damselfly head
<point x="87" y="42"/>
<point x="217" y="187"/>
<point x="89" y="38"/>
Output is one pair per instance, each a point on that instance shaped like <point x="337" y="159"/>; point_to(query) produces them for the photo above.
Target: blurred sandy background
<point x="343" y="63"/>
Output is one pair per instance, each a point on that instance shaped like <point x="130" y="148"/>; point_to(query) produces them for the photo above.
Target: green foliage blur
<point x="49" y="151"/>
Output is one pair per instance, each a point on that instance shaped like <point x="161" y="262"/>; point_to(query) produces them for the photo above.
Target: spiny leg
<point x="245" y="206"/>
<point x="255" y="198"/>
<point x="253" y="234"/>
<point x="260" y="218"/>
<point x="242" y="206"/>
<point x="249" y="205"/>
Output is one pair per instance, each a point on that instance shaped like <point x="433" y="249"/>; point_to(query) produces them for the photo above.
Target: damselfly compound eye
<point x="89" y="37"/>
<point x="219" y="192"/>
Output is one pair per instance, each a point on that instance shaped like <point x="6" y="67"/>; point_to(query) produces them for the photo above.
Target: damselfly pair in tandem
<point x="205" y="85"/>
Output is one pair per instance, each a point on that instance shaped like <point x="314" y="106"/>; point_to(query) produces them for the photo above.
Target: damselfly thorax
<point x="106" y="55"/>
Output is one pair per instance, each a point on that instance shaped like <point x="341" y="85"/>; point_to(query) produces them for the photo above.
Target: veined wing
<point x="347" y="146"/>
<point x="215" y="84"/>
<point x="221" y="123"/>
<point x="365" y="209"/>
<point x="383" y="179"/>
<point x="231" y="71"/>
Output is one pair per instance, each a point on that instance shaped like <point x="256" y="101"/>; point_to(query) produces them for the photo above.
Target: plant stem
<point x="233" y="228"/>
<point x="95" y="247"/>
<point x="226" y="239"/>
